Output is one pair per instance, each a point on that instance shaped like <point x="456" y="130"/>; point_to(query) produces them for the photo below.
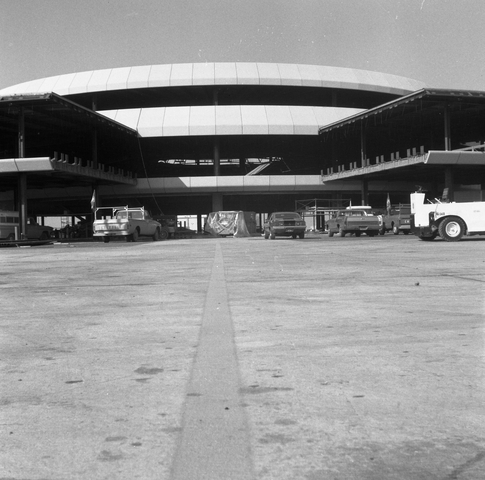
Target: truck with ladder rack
<point x="130" y="223"/>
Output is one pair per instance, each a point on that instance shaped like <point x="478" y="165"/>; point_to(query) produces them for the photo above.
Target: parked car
<point x="354" y="220"/>
<point x="284" y="224"/>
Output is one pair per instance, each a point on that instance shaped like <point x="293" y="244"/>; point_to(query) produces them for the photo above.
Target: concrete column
<point x="94" y="103"/>
<point x="449" y="183"/>
<point x="22" y="178"/>
<point x="365" y="192"/>
<point x="21" y="133"/>
<point x="217" y="158"/>
<point x="363" y="153"/>
<point x="23" y="204"/>
<point x="217" y="202"/>
<point x="447" y="126"/>
<point x="95" y="148"/>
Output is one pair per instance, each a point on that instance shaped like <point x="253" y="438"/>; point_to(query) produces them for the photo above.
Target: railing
<point x="471" y="149"/>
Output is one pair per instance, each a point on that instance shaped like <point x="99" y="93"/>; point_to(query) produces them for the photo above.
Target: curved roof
<point x="197" y="74"/>
<point x="228" y="120"/>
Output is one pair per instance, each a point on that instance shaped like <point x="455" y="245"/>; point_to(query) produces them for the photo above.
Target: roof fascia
<point x="419" y="94"/>
<point x="51" y="97"/>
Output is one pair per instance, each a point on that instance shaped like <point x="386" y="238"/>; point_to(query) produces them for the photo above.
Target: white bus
<point x="10" y="227"/>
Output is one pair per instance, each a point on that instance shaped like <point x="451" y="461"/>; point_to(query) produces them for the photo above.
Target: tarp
<point x="234" y="223"/>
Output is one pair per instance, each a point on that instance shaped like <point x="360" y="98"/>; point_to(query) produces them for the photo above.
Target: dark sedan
<point x="284" y="224"/>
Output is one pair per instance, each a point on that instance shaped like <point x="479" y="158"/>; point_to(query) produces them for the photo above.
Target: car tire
<point x="45" y="236"/>
<point x="156" y="235"/>
<point x="164" y="234"/>
<point x="266" y="235"/>
<point x="302" y="235"/>
<point x="134" y="236"/>
<point x="395" y="230"/>
<point x="105" y="239"/>
<point x="330" y="233"/>
<point x="341" y="232"/>
<point x="272" y="235"/>
<point x="452" y="229"/>
<point x="357" y="234"/>
<point x="11" y="237"/>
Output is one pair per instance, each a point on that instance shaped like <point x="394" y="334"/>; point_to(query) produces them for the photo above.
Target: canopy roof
<point x="196" y="74"/>
<point x="425" y="98"/>
<point x="56" y="128"/>
<point x="228" y="119"/>
<point x="413" y="138"/>
<point x="49" y="108"/>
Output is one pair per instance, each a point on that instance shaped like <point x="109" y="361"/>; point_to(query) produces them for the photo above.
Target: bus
<point x="10" y="227"/>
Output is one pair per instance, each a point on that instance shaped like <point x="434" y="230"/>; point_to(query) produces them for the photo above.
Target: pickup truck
<point x="397" y="220"/>
<point x="131" y="223"/>
<point x="356" y="220"/>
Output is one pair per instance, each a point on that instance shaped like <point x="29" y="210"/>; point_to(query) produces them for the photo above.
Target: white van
<point x="9" y="227"/>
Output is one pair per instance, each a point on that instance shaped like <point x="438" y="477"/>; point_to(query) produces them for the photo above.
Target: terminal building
<point x="190" y="139"/>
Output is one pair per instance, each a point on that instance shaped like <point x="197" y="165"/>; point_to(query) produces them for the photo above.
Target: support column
<point x="95" y="148"/>
<point x="217" y="202"/>
<point x="94" y="107"/>
<point x="363" y="153"/>
<point x="447" y="126"/>
<point x="23" y="205"/>
<point x="199" y="223"/>
<point x="365" y="192"/>
<point x="449" y="183"/>
<point x="217" y="158"/>
<point x="22" y="179"/>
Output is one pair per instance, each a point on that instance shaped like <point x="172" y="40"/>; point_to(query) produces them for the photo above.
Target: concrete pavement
<point x="342" y="358"/>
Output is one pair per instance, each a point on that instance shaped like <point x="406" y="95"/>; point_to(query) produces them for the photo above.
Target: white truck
<point x="131" y="223"/>
<point x="451" y="221"/>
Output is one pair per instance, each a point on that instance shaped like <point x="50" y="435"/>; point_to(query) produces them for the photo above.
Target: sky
<point x="439" y="42"/>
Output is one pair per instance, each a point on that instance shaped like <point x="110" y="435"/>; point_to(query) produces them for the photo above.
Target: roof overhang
<point x="61" y="169"/>
<point x="63" y="143"/>
<point x="50" y="104"/>
<point x="437" y="95"/>
<point x="412" y="164"/>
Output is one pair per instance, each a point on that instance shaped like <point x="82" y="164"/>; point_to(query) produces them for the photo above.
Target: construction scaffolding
<point x="317" y="211"/>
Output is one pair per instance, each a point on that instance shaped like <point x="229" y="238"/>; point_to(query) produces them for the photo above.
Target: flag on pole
<point x="93" y="201"/>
